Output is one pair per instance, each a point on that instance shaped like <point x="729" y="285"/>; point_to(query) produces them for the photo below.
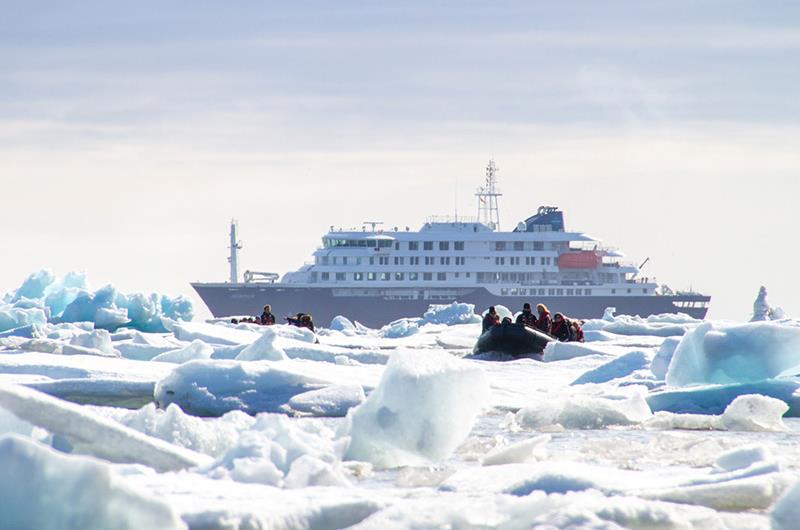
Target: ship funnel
<point x="235" y="246"/>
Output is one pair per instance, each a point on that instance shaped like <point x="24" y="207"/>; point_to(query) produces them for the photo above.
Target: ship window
<point x="587" y="292"/>
<point x="551" y="292"/>
<point x="444" y="261"/>
<point x="538" y="245"/>
<point x="370" y="242"/>
<point x="324" y="260"/>
<point x="370" y="276"/>
<point x="383" y="260"/>
<point x="385" y="276"/>
<point x="578" y="292"/>
<point x="499" y="261"/>
<point x="560" y="292"/>
<point x="362" y="242"/>
<point x="427" y="276"/>
<point x="444" y="245"/>
<point x="503" y="292"/>
<point x="457" y="275"/>
<point x="518" y="245"/>
<point x="570" y="292"/>
<point x="427" y="245"/>
<point x="358" y="276"/>
<point x="339" y="276"/>
<point x="384" y="243"/>
<point x="334" y="260"/>
<point x="613" y="291"/>
<point x="441" y="276"/>
<point x="541" y="292"/>
<point x="371" y="260"/>
<point x="413" y="276"/>
<point x="468" y="275"/>
<point x="499" y="245"/>
<point x="325" y="276"/>
<point x="414" y="260"/>
<point x="629" y="291"/>
<point x="460" y="260"/>
<point x="398" y="276"/>
<point x="644" y="291"/>
<point x="397" y="245"/>
<point x="458" y="245"/>
<point x="413" y="245"/>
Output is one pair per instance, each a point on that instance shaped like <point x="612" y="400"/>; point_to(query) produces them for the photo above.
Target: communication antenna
<point x="235" y="247"/>
<point x="374" y="224"/>
<point x="488" y="211"/>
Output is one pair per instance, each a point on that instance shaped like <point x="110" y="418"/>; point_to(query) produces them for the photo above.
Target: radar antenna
<point x="233" y="259"/>
<point x="373" y="223"/>
<point x="488" y="211"/>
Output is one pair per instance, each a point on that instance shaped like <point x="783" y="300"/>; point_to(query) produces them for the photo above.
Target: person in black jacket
<point x="267" y="318"/>
<point x="526" y="317"/>
<point x="491" y="319"/>
<point x="560" y="328"/>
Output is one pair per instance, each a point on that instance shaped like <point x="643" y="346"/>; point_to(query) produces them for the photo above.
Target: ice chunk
<point x="663" y="357"/>
<point x="617" y="368"/>
<point x="713" y="399"/>
<point x="196" y="350"/>
<point x="98" y="339"/>
<point x="212" y="388"/>
<point x="786" y="512"/>
<point x="41" y="488"/>
<point x="742" y="457"/>
<point x="422" y="409"/>
<point x="343" y="324"/>
<point x="13" y="317"/>
<point x="213" y="334"/>
<point x="451" y="314"/>
<point x="743" y="353"/>
<point x="586" y="411"/>
<point x="90" y="433"/>
<point x="755" y="413"/>
<point x="524" y="451"/>
<point x="264" y="348"/>
<point x="400" y="328"/>
<point x="562" y="351"/>
<point x="332" y="401"/>
<point x="34" y="285"/>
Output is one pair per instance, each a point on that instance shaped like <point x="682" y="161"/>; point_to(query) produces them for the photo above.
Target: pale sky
<point x="131" y="133"/>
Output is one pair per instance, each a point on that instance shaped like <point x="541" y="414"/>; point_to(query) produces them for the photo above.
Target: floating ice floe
<point x="86" y="432"/>
<point x="668" y="325"/>
<point x="744" y="353"/>
<point x="424" y="406"/>
<point x="617" y="368"/>
<point x="212" y="388"/>
<point x="754" y="412"/>
<point x="45" y="489"/>
<point x="581" y="411"/>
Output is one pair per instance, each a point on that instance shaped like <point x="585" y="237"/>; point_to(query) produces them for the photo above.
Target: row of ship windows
<point x="385" y="276"/>
<point x="430" y="245"/>
<point x="545" y="292"/>
<point x="428" y="260"/>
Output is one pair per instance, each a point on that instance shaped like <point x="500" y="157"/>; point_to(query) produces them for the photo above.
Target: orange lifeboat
<point x="585" y="259"/>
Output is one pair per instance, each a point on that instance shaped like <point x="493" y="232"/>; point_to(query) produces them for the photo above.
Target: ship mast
<point x="233" y="259"/>
<point x="488" y="211"/>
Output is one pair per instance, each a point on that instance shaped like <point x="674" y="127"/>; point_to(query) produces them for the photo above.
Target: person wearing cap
<point x="491" y="319"/>
<point x="526" y="318"/>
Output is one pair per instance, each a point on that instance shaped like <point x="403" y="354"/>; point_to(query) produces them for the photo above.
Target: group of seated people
<point x="559" y="326"/>
<point x="301" y="320"/>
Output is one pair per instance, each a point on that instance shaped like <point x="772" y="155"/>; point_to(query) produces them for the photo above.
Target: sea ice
<point x="741" y="353"/>
<point x="713" y="399"/>
<point x="196" y="350"/>
<point x="524" y="451"/>
<point x="265" y="348"/>
<point x="424" y="406"/>
<point x="89" y="433"/>
<point x="663" y="357"/>
<point x="451" y="314"/>
<point x="586" y="411"/>
<point x="754" y="412"/>
<point x="44" y="489"/>
<point x="786" y="512"/>
<point x="332" y="401"/>
<point x="617" y="368"/>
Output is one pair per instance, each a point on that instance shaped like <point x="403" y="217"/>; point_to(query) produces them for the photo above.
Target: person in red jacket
<point x="543" y="323"/>
<point x="491" y="319"/>
<point x="560" y="328"/>
<point x="576" y="331"/>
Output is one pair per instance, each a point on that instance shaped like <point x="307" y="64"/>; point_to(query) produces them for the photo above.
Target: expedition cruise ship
<point x="374" y="276"/>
